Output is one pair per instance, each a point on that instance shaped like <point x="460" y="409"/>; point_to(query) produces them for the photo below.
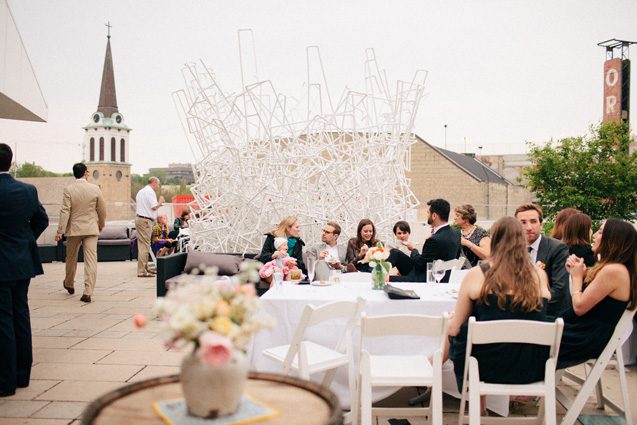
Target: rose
<point x="139" y="320"/>
<point x="214" y="349"/>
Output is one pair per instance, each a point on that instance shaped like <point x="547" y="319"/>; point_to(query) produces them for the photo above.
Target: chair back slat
<point x="402" y="324"/>
<point x="513" y="331"/>
<point x="333" y="310"/>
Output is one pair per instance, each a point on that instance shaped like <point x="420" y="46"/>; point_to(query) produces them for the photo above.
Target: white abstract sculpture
<point x="261" y="157"/>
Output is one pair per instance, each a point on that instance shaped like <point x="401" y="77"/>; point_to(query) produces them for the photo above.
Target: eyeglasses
<point x="327" y="231"/>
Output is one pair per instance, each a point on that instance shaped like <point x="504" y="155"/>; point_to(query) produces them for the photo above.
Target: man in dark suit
<point x="22" y="220"/>
<point x="443" y="244"/>
<point x="550" y="254"/>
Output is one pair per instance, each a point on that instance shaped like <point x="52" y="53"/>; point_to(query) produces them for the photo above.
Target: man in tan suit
<point x="82" y="218"/>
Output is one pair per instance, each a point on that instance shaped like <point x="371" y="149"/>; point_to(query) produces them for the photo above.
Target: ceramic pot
<point x="211" y="391"/>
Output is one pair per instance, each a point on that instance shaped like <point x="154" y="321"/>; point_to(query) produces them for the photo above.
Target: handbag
<point x="400" y="294"/>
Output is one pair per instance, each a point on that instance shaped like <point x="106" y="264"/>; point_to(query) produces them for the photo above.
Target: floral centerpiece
<point x="218" y="317"/>
<point x="376" y="258"/>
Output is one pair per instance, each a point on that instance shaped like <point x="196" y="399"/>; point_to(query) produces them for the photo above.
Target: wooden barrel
<point x="298" y="401"/>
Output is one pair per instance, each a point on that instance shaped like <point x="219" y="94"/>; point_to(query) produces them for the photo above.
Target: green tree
<point x="31" y="169"/>
<point x="595" y="173"/>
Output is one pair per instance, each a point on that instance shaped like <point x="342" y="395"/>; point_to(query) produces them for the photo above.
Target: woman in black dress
<point x="506" y="286"/>
<point x="600" y="295"/>
<point x="576" y="234"/>
<point x="475" y="240"/>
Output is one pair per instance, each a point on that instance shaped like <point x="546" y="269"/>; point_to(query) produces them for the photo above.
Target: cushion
<point x="114" y="232"/>
<point x="228" y="264"/>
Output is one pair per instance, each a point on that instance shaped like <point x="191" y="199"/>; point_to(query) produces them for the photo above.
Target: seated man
<point x="161" y="243"/>
<point x="444" y="244"/>
<point x="328" y="254"/>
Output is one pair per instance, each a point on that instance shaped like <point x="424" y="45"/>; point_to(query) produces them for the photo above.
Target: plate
<point x="321" y="283"/>
<point x="291" y="282"/>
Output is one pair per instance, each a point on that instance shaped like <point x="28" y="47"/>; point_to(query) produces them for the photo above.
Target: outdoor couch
<point x="113" y="244"/>
<point x="172" y="268"/>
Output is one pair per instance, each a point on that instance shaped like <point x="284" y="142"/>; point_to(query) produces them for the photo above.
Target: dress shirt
<point x="332" y="251"/>
<point x="435" y="229"/>
<point x="146" y="200"/>
<point x="535" y="246"/>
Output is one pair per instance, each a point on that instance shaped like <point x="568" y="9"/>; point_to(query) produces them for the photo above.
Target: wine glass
<point x="439" y="272"/>
<point x="310" y="263"/>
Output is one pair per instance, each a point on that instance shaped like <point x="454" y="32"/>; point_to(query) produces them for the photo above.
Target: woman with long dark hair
<point x="506" y="286"/>
<point x="600" y="295"/>
<point x="357" y="247"/>
<point x="576" y="234"/>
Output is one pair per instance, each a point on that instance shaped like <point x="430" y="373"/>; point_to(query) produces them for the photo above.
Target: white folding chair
<point x="511" y="331"/>
<point x="593" y="378"/>
<point x="401" y="370"/>
<point x="457" y="276"/>
<point x="455" y="264"/>
<point x="307" y="358"/>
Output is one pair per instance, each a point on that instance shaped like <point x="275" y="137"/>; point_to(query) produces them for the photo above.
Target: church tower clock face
<point x="96" y="118"/>
<point x="118" y="119"/>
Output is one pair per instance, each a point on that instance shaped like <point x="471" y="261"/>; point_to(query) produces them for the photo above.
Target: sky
<point x="500" y="72"/>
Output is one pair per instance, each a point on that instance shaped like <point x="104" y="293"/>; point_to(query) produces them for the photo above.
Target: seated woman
<point x="576" y="234"/>
<point x="161" y="244"/>
<point x="288" y="228"/>
<point x="600" y="296"/>
<point x="181" y="222"/>
<point x="475" y="240"/>
<point x="506" y="286"/>
<point x="357" y="247"/>
<point x="402" y="231"/>
<point x="560" y="220"/>
<point x="282" y="262"/>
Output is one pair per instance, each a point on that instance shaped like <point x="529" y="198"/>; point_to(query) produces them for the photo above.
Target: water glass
<point x="277" y="278"/>
<point x="335" y="276"/>
<point x="430" y="272"/>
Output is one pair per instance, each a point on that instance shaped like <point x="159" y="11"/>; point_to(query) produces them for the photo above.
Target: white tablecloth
<point x="285" y="305"/>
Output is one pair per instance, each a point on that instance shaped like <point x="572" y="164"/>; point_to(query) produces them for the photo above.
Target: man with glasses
<point x="82" y="218"/>
<point x="328" y="254"/>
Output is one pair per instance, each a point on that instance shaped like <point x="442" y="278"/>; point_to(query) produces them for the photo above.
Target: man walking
<point x="82" y="218"/>
<point x="550" y="254"/>
<point x="147" y="206"/>
<point x="329" y="251"/>
<point x="22" y="220"/>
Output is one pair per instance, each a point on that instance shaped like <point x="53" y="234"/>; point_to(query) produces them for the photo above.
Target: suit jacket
<point x="554" y="254"/>
<point x="322" y="270"/>
<point x="83" y="210"/>
<point x="22" y="220"/>
<point x="442" y="245"/>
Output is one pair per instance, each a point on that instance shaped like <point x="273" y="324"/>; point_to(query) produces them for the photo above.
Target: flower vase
<point x="379" y="274"/>
<point x="213" y="391"/>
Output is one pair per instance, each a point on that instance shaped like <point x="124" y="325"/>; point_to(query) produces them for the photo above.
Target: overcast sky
<point x="501" y="72"/>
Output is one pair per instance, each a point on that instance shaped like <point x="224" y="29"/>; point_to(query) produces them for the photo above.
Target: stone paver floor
<point x="81" y="351"/>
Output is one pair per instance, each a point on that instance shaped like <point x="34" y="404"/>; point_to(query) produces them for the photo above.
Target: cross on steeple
<point x="108" y="24"/>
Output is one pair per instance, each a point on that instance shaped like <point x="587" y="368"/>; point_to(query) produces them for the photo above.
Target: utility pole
<point x="445" y="136"/>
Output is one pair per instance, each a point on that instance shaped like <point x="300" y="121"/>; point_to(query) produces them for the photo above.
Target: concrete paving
<point x="84" y="350"/>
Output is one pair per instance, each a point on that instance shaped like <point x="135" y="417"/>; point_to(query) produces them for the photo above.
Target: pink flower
<point x="214" y="349"/>
<point x="139" y="320"/>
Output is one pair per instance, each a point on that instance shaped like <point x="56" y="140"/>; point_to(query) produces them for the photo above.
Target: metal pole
<point x="445" y="136"/>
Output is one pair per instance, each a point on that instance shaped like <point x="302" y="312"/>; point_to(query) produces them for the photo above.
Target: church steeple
<point x="108" y="99"/>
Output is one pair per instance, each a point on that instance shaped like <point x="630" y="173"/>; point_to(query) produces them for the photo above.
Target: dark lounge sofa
<point x="171" y="268"/>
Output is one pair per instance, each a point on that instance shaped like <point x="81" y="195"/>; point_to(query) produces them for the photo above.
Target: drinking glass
<point x="277" y="278"/>
<point x="310" y="263"/>
<point x="439" y="273"/>
<point x="430" y="273"/>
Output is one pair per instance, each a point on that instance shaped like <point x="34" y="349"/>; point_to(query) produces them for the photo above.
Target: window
<point x="118" y="175"/>
<point x="101" y="149"/>
<point x="113" y="143"/>
<point x="122" y="150"/>
<point x="92" y="149"/>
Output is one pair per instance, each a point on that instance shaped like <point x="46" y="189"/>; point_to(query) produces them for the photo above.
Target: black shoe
<point x="7" y="393"/>
<point x="86" y="298"/>
<point x="69" y="290"/>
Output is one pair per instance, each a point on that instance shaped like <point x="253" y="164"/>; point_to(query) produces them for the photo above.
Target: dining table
<point x="285" y="303"/>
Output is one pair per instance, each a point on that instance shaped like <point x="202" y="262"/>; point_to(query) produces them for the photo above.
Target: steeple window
<point x="113" y="145"/>
<point x="122" y="150"/>
<point x="101" y="149"/>
<point x="92" y="149"/>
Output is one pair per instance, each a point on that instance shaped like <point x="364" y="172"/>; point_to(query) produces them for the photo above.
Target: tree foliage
<point x="595" y="174"/>
<point x="31" y="169"/>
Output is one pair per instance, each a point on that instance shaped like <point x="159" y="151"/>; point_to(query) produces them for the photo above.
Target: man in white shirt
<point x="551" y="254"/>
<point x="328" y="254"/>
<point x="146" y="210"/>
